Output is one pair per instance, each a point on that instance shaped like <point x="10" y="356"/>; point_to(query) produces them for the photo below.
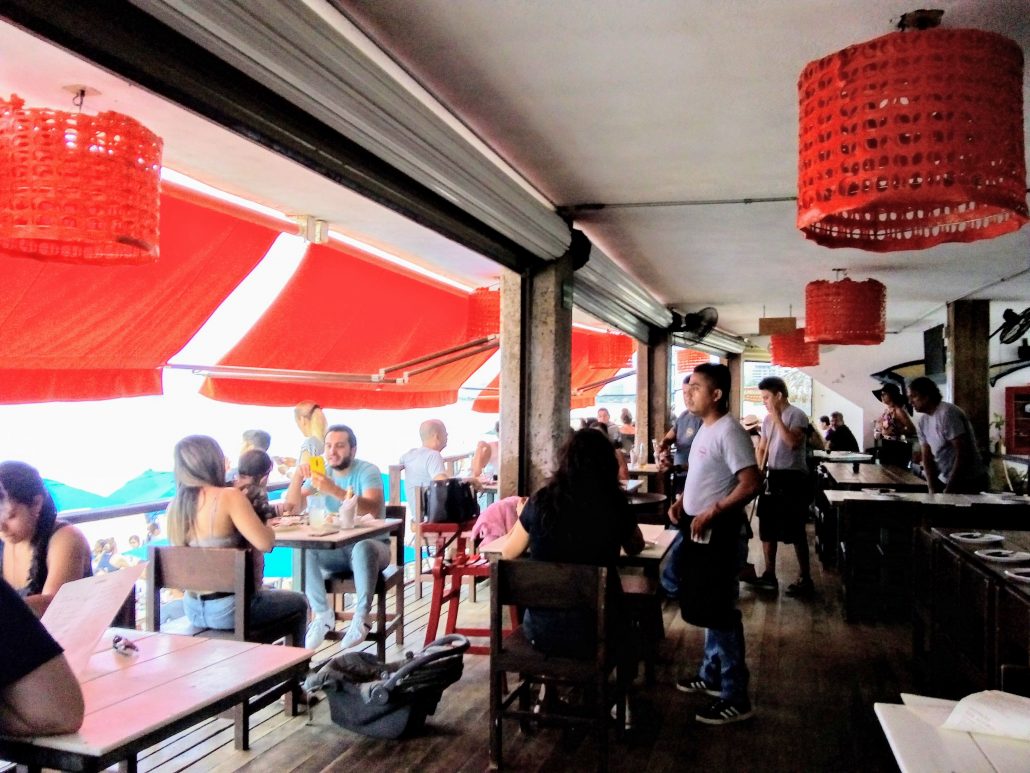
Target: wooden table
<point x="172" y="683"/>
<point x="301" y="537"/>
<point x="919" y="744"/>
<point x="858" y="476"/>
<point x="843" y="456"/>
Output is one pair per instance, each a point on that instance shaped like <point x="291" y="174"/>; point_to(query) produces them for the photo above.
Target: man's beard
<point x="343" y="465"/>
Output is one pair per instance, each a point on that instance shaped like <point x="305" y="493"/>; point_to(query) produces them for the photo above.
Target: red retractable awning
<point x="343" y="312"/>
<point x="583" y="373"/>
<point x="72" y="332"/>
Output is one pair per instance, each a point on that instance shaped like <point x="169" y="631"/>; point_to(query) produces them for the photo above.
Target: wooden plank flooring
<point x="814" y="681"/>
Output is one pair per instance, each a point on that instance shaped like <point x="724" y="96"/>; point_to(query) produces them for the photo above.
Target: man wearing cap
<point x="951" y="460"/>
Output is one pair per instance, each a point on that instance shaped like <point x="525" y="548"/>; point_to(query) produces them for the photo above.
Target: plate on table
<point x="1006" y="556"/>
<point x="977" y="537"/>
<point x="285" y="527"/>
<point x="322" y="531"/>
<point x="1023" y="575"/>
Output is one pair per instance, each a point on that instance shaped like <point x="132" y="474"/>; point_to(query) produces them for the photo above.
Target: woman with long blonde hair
<point x="312" y="423"/>
<point x="205" y="513"/>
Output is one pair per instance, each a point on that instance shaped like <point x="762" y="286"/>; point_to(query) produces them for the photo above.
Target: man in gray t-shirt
<point x="951" y="460"/>
<point x="783" y="508"/>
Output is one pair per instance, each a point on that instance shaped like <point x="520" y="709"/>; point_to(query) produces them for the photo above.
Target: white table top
<point x="842" y="456"/>
<point x="920" y="745"/>
<point x="836" y="496"/>
<point x="301" y="536"/>
<point x="169" y="678"/>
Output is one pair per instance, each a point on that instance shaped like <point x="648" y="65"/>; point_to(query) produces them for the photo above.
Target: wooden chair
<point x="391" y="578"/>
<point x="541" y="584"/>
<point x="455" y="559"/>
<point x="220" y="570"/>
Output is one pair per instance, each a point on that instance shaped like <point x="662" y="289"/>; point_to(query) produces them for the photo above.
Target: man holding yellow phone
<point x="337" y="476"/>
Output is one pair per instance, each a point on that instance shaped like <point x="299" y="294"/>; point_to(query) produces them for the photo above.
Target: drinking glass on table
<point x="316" y="510"/>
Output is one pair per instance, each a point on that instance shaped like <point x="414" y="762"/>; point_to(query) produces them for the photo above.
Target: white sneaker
<point x="318" y="628"/>
<point x="356" y="634"/>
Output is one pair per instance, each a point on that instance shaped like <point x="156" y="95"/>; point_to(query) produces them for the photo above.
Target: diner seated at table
<point x="497" y="519"/>
<point x="424" y="464"/>
<point x="580" y="516"/>
<point x="840" y="437"/>
<point x="205" y="513"/>
<point x="345" y="476"/>
<point x="39" y="694"/>
<point x="40" y="552"/>
<point x="600" y="426"/>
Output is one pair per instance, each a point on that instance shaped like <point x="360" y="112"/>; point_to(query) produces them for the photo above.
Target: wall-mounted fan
<point x="1014" y="327"/>
<point x="698" y="324"/>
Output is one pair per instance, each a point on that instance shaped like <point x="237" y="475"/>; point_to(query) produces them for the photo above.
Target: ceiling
<point x="672" y="104"/>
<point x="656" y="109"/>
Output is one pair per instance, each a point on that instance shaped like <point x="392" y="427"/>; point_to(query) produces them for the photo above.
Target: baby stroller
<point x="388" y="700"/>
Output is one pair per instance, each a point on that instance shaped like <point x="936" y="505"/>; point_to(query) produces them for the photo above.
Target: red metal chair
<point x="453" y="558"/>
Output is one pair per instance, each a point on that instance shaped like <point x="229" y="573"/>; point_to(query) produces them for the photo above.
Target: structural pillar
<point x="967" y="334"/>
<point x="653" y="390"/>
<point x="536" y="373"/>
<point x="735" y="363"/>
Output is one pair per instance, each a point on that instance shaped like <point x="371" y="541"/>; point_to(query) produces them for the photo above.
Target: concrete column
<point x="538" y="369"/>
<point x="967" y="332"/>
<point x="735" y="363"/>
<point x="653" y="390"/>
<point x="511" y="378"/>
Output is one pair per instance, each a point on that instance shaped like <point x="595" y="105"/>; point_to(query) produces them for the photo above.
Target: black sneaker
<point x="803" y="588"/>
<point x="696" y="684"/>
<point x="764" y="581"/>
<point x="722" y="712"/>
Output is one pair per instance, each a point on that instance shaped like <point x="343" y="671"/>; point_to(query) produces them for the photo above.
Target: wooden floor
<point x="814" y="681"/>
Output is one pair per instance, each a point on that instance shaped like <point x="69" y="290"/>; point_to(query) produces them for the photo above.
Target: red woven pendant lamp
<point x="845" y="312"/>
<point x="484" y="313"/>
<point x="792" y="351"/>
<point x="688" y="359"/>
<point x="78" y="188"/>
<point x="911" y="140"/>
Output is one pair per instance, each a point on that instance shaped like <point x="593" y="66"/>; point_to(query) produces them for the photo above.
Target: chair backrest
<point x="206" y="570"/>
<point x="401" y="513"/>
<point x="546" y="585"/>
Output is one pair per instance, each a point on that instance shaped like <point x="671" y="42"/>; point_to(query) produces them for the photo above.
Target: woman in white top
<point x="204" y="513"/>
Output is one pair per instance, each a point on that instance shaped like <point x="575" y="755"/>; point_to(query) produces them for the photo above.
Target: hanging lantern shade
<point x="610" y="351"/>
<point x="845" y="312"/>
<point x="912" y="140"/>
<point x="791" y="350"/>
<point x="484" y="313"/>
<point x="688" y="359"/>
<point x="77" y="188"/>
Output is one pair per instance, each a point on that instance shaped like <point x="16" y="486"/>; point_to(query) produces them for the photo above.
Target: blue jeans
<point x="364" y="560"/>
<point x="723" y="665"/>
<point x="670" y="578"/>
<point x="267" y="606"/>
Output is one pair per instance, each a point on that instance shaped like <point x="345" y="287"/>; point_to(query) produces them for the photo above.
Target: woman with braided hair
<point x="40" y="552"/>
